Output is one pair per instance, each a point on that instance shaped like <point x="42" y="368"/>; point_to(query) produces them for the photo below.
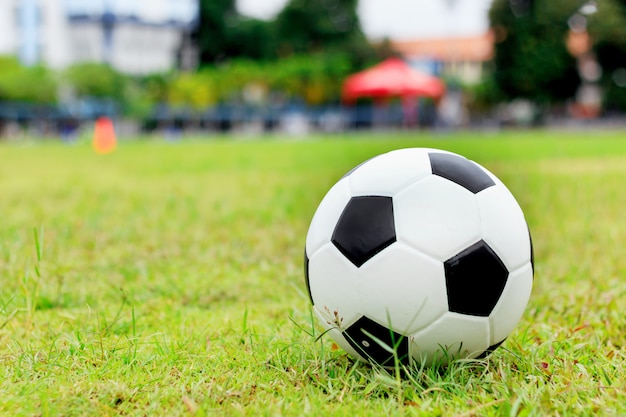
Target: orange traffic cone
<point x="104" y="140"/>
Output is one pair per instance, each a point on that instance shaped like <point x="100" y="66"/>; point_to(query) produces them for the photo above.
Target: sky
<point x="401" y="19"/>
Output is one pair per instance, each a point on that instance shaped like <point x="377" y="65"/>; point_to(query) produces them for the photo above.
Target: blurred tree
<point x="212" y="31"/>
<point x="96" y="80"/>
<point x="306" y="26"/>
<point x="252" y="39"/>
<point x="194" y="90"/>
<point x="316" y="78"/>
<point x="26" y="84"/>
<point x="531" y="58"/>
<point x="385" y="49"/>
<point x="155" y="86"/>
<point x="303" y="26"/>
<point x="306" y="51"/>
<point x="224" y="34"/>
<point x="607" y="29"/>
<point x="143" y="93"/>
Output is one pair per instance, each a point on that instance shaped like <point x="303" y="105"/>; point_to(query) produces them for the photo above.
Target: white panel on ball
<point x="325" y="218"/>
<point x="503" y="226"/>
<point x="437" y="217"/>
<point x="510" y="308"/>
<point x="334" y="289"/>
<point x="387" y="274"/>
<point x="452" y="336"/>
<point x="403" y="286"/>
<point x="389" y="173"/>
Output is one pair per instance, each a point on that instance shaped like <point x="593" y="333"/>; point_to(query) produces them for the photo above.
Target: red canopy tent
<point x="391" y="78"/>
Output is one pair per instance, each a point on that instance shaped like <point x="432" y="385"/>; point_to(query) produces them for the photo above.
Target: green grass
<point x="166" y="279"/>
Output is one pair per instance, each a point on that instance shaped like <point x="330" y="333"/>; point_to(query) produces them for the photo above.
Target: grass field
<point x="166" y="279"/>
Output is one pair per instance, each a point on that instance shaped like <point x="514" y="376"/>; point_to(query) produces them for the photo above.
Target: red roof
<point x="473" y="48"/>
<point x="391" y="78"/>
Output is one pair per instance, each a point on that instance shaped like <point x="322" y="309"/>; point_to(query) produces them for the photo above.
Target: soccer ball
<point x="419" y="256"/>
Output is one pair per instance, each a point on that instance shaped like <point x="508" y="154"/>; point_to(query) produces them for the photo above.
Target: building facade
<point x="133" y="36"/>
<point x="459" y="57"/>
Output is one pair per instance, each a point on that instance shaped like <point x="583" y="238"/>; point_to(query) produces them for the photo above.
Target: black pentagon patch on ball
<point x="475" y="279"/>
<point x="365" y="228"/>
<point x="490" y="350"/>
<point x="532" y="252"/>
<point x="306" y="276"/>
<point x="373" y="341"/>
<point x="461" y="171"/>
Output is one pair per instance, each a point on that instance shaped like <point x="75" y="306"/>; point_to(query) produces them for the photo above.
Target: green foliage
<point x="305" y="52"/>
<point x="531" y="61"/>
<point x="315" y="78"/>
<point x="250" y="39"/>
<point x="385" y="50"/>
<point x="233" y="77"/>
<point x="607" y="29"/>
<point x="614" y="95"/>
<point x="26" y="84"/>
<point x="311" y="25"/>
<point x="194" y="90"/>
<point x="135" y="96"/>
<point x="223" y="34"/>
<point x="215" y="17"/>
<point x="483" y="96"/>
<point x="96" y="80"/>
<point x="531" y="58"/>
<point x="306" y="26"/>
<point x="155" y="86"/>
<point x="302" y="27"/>
<point x="137" y="102"/>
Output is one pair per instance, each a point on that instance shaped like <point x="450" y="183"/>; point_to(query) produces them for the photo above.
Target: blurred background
<point x="188" y="67"/>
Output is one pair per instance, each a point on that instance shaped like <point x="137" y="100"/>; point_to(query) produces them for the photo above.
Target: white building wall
<point x="9" y="25"/>
<point x="55" y="49"/>
<point x="86" y="42"/>
<point x="137" y="48"/>
<point x="145" y="49"/>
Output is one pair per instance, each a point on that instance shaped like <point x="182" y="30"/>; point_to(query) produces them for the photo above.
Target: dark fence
<point x="292" y="117"/>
